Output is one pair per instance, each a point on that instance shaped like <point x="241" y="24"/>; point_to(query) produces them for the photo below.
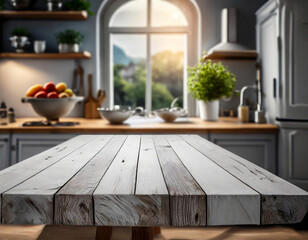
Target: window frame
<point x="104" y="59"/>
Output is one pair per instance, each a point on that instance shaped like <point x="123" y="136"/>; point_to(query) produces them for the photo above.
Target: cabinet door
<point x="293" y="160"/>
<point x="4" y="151"/>
<point x="267" y="46"/>
<point x="294" y="52"/>
<point x="257" y="148"/>
<point x="28" y="145"/>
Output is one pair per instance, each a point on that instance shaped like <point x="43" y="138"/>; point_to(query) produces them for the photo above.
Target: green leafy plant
<point x="2" y="4"/>
<point x="69" y="37"/>
<point x="210" y="81"/>
<point x="20" y="32"/>
<point x="78" y="5"/>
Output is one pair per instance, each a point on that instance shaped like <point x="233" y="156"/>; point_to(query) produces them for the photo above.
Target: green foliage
<point x="168" y="69"/>
<point x="69" y="37"/>
<point x="132" y="93"/>
<point x="20" y="32"/>
<point x="2" y="4"/>
<point x="79" y="5"/>
<point x="210" y="81"/>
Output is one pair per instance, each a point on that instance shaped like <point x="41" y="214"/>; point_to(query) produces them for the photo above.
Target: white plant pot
<point x="209" y="111"/>
<point x="68" y="48"/>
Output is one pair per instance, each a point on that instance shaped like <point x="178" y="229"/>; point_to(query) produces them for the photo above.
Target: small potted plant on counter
<point x="20" y="39"/>
<point x="69" y="41"/>
<point x="79" y="5"/>
<point x="208" y="82"/>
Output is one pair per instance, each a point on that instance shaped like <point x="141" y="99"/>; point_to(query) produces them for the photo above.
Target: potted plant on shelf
<point x="2" y="4"/>
<point x="20" y="39"/>
<point x="208" y="82"/>
<point x="79" y="5"/>
<point x="69" y="41"/>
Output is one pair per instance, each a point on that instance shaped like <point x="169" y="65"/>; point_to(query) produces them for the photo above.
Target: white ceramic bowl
<point x="169" y="115"/>
<point x="52" y="108"/>
<point x="115" y="116"/>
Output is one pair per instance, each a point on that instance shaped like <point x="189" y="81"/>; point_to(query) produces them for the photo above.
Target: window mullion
<point x="149" y="10"/>
<point x="148" y="86"/>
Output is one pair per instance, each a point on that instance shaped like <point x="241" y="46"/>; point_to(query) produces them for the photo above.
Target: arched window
<point x="145" y="47"/>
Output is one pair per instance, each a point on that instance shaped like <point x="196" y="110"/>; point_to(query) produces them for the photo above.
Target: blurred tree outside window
<point x="149" y="65"/>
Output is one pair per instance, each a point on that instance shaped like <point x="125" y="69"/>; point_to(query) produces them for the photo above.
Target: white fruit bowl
<point x="52" y="108"/>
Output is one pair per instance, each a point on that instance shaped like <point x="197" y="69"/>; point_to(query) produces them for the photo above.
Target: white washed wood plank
<point x="114" y="201"/>
<point x="229" y="201"/>
<point x="282" y="202"/>
<point x="14" y="175"/>
<point x="151" y="187"/>
<point x="187" y="200"/>
<point x="31" y="202"/>
<point x="74" y="202"/>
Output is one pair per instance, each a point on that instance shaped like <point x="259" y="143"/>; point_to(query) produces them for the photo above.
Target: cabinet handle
<point x="13" y="147"/>
<point x="275" y="87"/>
<point x="5" y="140"/>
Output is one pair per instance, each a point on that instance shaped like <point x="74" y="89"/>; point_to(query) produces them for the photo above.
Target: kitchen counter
<point x="142" y="125"/>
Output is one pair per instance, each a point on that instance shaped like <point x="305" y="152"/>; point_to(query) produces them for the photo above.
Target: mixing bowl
<point x="115" y="116"/>
<point x="52" y="108"/>
<point x="169" y="115"/>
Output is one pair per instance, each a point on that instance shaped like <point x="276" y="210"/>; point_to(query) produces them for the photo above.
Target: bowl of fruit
<point x="51" y="101"/>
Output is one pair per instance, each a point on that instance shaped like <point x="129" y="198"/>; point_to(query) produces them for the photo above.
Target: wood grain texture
<point x="187" y="199"/>
<point x="31" y="202"/>
<point x="114" y="196"/>
<point x="54" y="15"/>
<point x="74" y="202"/>
<point x="229" y="201"/>
<point x="80" y="55"/>
<point x="18" y="173"/>
<point x="150" y="186"/>
<point x="189" y="126"/>
<point x="282" y="202"/>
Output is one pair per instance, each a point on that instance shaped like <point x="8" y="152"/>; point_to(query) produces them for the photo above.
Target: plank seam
<point x="54" y="196"/>
<point x="40" y="172"/>
<point x="137" y="165"/>
<point x="191" y="176"/>
<point x="161" y="169"/>
<point x="104" y="175"/>
<point x="260" y="195"/>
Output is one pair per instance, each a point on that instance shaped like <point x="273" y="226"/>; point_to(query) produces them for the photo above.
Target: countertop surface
<point x="143" y="125"/>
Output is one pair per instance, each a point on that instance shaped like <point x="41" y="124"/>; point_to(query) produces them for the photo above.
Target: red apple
<point x="40" y="94"/>
<point x="49" y="87"/>
<point x="53" y="95"/>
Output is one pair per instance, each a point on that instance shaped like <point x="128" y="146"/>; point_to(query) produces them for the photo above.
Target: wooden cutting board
<point x="90" y="105"/>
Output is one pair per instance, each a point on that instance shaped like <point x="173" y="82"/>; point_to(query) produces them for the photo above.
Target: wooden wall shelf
<point x="45" y="15"/>
<point x="81" y="55"/>
<point x="232" y="55"/>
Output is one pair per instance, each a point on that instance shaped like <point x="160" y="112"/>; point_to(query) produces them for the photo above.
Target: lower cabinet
<point x="4" y="151"/>
<point x="257" y="148"/>
<point x="28" y="145"/>
<point x="293" y="156"/>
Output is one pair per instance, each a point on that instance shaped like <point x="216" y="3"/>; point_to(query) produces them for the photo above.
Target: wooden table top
<point x="148" y="180"/>
<point x="141" y="125"/>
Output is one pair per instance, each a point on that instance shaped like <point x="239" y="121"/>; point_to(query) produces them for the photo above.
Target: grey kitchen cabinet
<point x="4" y="151"/>
<point x="293" y="156"/>
<point x="28" y="145"/>
<point x="282" y="33"/>
<point x="260" y="149"/>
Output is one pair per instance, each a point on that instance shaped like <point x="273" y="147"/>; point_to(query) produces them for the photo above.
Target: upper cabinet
<point x="282" y="33"/>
